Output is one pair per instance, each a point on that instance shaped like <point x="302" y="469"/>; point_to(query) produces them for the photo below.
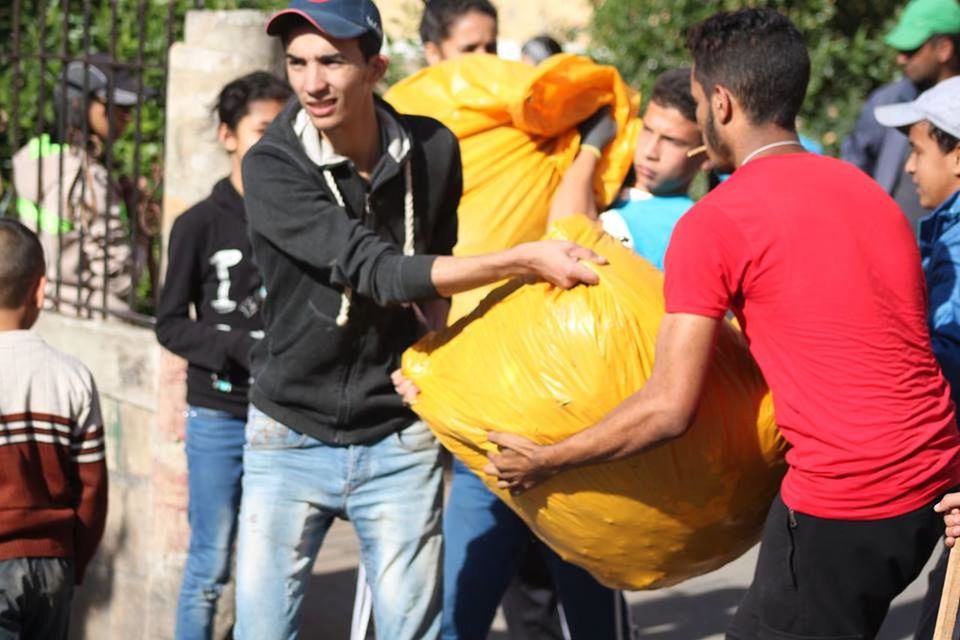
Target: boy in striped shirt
<point x="53" y="476"/>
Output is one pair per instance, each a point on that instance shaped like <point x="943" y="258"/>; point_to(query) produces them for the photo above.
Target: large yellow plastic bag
<point x="546" y="363"/>
<point x="517" y="130"/>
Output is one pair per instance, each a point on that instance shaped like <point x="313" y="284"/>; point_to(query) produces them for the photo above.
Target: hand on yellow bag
<point x="521" y="463"/>
<point x="558" y="262"/>
<point x="404" y="387"/>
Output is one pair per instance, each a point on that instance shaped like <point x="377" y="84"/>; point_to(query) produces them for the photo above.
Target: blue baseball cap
<point x="341" y="19"/>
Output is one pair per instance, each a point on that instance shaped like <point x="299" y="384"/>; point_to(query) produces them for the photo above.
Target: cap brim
<point x="125" y="95"/>
<point x="905" y="39"/>
<point x="898" y="115"/>
<point x="331" y="24"/>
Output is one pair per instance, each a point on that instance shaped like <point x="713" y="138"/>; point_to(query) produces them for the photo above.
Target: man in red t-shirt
<point x="824" y="275"/>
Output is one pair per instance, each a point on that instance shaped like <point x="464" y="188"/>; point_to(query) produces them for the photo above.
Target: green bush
<point x="847" y="52"/>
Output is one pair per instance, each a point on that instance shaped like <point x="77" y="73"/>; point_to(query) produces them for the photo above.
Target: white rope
<point x="343" y="316"/>
<point x="408" y="210"/>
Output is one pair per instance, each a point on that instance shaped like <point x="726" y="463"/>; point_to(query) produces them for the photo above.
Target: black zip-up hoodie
<point x="310" y="374"/>
<point x="210" y="265"/>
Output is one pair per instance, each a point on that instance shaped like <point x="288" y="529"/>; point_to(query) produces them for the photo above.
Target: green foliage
<point x="845" y="38"/>
<point x="133" y="31"/>
<point x="36" y="36"/>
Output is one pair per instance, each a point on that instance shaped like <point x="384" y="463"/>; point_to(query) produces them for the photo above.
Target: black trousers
<point x="821" y="578"/>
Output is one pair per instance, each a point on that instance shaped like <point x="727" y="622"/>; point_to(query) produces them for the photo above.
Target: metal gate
<point x="81" y="144"/>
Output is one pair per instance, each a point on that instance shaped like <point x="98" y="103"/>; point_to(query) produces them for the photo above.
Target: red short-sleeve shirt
<point x="823" y="272"/>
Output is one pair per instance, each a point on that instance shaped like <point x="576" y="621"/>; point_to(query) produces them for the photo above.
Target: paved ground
<point x="698" y="609"/>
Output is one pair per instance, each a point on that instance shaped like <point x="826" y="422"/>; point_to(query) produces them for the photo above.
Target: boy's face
<point x="99" y="118"/>
<point x="250" y="128"/>
<point x="935" y="173"/>
<point x="330" y="76"/>
<point x="473" y="32"/>
<point x="660" y="160"/>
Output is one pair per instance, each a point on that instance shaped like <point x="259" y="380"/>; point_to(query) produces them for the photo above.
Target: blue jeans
<point x="293" y="488"/>
<point x="35" y="597"/>
<point x="483" y="542"/>
<point x="214" y="470"/>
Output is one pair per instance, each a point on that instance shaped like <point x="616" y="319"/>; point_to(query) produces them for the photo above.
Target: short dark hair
<point x="21" y="263"/>
<point x="540" y="48"/>
<point x="945" y="141"/>
<point x="760" y="56"/>
<point x="954" y="62"/>
<point x="233" y="103"/>
<point x="439" y="17"/>
<point x="672" y="90"/>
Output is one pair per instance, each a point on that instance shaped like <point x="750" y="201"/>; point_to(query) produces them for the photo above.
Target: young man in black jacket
<point x="211" y="268"/>
<point x="350" y="204"/>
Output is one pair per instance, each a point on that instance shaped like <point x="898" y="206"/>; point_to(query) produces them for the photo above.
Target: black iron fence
<point x="81" y="143"/>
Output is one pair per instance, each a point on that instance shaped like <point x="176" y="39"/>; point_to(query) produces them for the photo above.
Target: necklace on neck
<point x="767" y="147"/>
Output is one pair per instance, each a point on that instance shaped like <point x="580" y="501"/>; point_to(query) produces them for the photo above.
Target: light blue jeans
<point x="484" y="541"/>
<point x="214" y="469"/>
<point x="293" y="488"/>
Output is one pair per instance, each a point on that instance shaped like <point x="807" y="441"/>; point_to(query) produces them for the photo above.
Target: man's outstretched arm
<point x="662" y="410"/>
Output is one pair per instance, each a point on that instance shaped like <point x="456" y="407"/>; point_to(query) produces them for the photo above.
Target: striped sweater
<point x="53" y="475"/>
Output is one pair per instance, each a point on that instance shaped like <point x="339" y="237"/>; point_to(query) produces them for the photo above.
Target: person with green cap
<point x="927" y="41"/>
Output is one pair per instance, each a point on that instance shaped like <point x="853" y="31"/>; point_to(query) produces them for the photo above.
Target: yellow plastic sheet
<point x="546" y="363"/>
<point x="517" y="130"/>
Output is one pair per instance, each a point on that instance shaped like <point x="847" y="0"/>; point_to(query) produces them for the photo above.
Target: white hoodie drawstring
<point x="343" y="316"/>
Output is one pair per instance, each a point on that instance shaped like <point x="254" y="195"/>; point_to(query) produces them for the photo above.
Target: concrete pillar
<point x="218" y="47"/>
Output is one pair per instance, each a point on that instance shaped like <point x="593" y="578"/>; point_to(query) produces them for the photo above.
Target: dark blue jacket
<point x="940" y="252"/>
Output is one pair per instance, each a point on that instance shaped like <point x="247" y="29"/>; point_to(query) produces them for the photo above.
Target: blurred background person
<point x="927" y="41"/>
<point x="211" y="270"/>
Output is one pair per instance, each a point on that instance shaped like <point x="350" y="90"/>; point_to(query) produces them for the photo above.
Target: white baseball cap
<point x="940" y="105"/>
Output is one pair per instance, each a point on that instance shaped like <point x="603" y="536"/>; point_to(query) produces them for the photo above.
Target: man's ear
<point x="955" y="161"/>
<point x="432" y="53"/>
<point x="39" y="294"/>
<point x="722" y="104"/>
<point x="944" y="49"/>
<point x="227" y="137"/>
<point x="377" y="66"/>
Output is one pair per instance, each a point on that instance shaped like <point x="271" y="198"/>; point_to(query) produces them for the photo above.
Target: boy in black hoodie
<point x="211" y="268"/>
<point x="350" y="204"/>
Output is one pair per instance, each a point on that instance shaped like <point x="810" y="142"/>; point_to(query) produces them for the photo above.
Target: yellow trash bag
<point x="546" y="363"/>
<point x="517" y="130"/>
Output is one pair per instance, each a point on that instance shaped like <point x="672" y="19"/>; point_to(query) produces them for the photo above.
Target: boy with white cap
<point x="932" y="122"/>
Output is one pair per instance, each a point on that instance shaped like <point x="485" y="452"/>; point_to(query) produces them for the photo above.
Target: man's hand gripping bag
<point x="546" y="363"/>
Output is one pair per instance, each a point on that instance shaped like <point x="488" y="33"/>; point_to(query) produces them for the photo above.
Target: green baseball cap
<point x="922" y="19"/>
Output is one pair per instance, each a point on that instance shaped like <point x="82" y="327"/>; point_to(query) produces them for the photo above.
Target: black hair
<point x="672" y="90"/>
<point x="439" y="17"/>
<point x="945" y="141"/>
<point x="21" y="263"/>
<point x="759" y="56"/>
<point x="369" y="43"/>
<point x="233" y="103"/>
<point x="72" y="111"/>
<point x="540" y="48"/>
